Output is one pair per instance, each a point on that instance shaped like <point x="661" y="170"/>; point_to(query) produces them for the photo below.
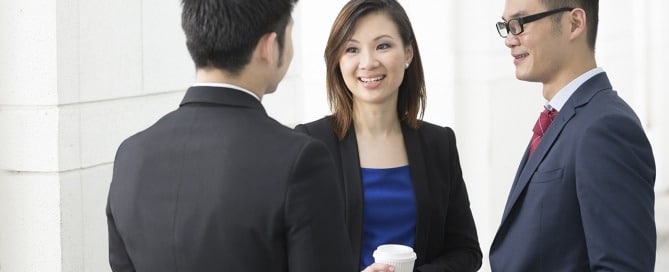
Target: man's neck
<point x="568" y="74"/>
<point x="212" y="75"/>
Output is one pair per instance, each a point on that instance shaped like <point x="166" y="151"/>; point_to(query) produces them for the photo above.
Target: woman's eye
<point x="351" y="50"/>
<point x="383" y="46"/>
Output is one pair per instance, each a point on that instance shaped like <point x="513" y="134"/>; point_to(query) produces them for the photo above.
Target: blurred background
<point x="77" y="77"/>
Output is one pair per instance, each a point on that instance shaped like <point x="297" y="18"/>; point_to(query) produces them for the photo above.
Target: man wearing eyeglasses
<point x="583" y="197"/>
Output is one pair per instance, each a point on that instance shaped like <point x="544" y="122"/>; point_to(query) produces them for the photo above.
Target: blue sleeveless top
<point x="389" y="210"/>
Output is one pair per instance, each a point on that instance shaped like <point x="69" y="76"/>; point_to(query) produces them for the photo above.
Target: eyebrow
<point x="375" y="39"/>
<point x="516" y="15"/>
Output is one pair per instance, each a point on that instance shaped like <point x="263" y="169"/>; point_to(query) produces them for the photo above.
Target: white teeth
<point x="367" y="79"/>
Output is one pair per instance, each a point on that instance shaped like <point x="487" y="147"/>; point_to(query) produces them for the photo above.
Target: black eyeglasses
<point x="515" y="26"/>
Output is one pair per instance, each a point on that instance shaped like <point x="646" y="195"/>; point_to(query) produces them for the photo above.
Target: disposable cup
<point x="400" y="256"/>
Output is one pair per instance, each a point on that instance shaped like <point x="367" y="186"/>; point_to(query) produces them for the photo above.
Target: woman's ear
<point x="408" y="56"/>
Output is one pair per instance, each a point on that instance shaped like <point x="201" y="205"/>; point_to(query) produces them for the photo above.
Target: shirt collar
<point x="226" y="85"/>
<point x="563" y="94"/>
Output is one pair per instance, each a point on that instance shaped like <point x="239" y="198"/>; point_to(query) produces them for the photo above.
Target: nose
<point x="511" y="40"/>
<point x="368" y="60"/>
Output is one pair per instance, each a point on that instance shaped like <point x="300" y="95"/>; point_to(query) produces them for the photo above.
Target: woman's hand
<point x="379" y="267"/>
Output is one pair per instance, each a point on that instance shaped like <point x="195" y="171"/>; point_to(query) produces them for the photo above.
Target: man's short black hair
<point x="222" y="34"/>
<point x="591" y="8"/>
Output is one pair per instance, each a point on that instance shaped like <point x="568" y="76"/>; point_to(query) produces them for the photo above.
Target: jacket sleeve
<point x="314" y="209"/>
<point x="615" y="176"/>
<point x="119" y="260"/>
<point x="462" y="251"/>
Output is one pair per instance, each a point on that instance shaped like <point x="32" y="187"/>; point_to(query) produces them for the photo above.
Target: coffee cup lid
<point x="394" y="252"/>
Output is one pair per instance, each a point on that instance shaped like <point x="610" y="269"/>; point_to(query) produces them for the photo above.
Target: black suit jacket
<point x="446" y="237"/>
<point x="217" y="185"/>
<point x="584" y="200"/>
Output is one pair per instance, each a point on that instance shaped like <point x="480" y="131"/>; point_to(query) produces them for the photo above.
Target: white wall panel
<point x="104" y="125"/>
<point x="167" y="66"/>
<point x="28" y="52"/>
<point x="30" y="229"/>
<point x="68" y="51"/>
<point x="72" y="222"/>
<point x="95" y="186"/>
<point x="110" y="49"/>
<point x="315" y="20"/>
<point x="29" y="139"/>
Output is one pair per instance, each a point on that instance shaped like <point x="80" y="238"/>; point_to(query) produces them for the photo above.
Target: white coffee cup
<point x="400" y="256"/>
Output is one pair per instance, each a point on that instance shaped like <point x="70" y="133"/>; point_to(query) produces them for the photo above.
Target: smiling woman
<point x="391" y="33"/>
<point x="374" y="61"/>
<point x="394" y="166"/>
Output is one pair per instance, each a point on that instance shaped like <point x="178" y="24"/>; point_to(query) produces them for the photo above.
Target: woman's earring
<point x="406" y="66"/>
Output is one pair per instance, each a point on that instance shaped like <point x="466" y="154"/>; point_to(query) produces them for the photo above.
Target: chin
<point x="524" y="77"/>
<point x="271" y="89"/>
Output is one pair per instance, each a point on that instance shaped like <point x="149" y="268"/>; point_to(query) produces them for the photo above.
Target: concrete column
<point x="29" y="189"/>
<point x="76" y="78"/>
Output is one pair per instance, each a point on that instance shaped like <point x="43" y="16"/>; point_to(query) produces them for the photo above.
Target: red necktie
<point x="545" y="119"/>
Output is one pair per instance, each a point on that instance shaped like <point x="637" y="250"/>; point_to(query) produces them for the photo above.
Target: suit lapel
<point x="530" y="164"/>
<point x="350" y="164"/>
<point x="417" y="166"/>
<point x="580" y="97"/>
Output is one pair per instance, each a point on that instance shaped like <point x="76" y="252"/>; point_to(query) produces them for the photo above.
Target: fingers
<point x="379" y="267"/>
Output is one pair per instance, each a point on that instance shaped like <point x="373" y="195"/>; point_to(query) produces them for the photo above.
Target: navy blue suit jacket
<point x="584" y="200"/>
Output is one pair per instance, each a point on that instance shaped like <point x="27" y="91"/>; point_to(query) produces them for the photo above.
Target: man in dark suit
<point x="217" y="185"/>
<point x="583" y="198"/>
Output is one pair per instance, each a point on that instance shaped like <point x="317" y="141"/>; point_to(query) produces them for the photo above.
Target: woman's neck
<point x="375" y="120"/>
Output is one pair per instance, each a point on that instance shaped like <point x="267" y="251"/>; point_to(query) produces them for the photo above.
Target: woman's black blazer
<point x="446" y="238"/>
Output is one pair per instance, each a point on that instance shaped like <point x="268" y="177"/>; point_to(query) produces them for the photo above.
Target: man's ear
<point x="577" y="23"/>
<point x="266" y="47"/>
